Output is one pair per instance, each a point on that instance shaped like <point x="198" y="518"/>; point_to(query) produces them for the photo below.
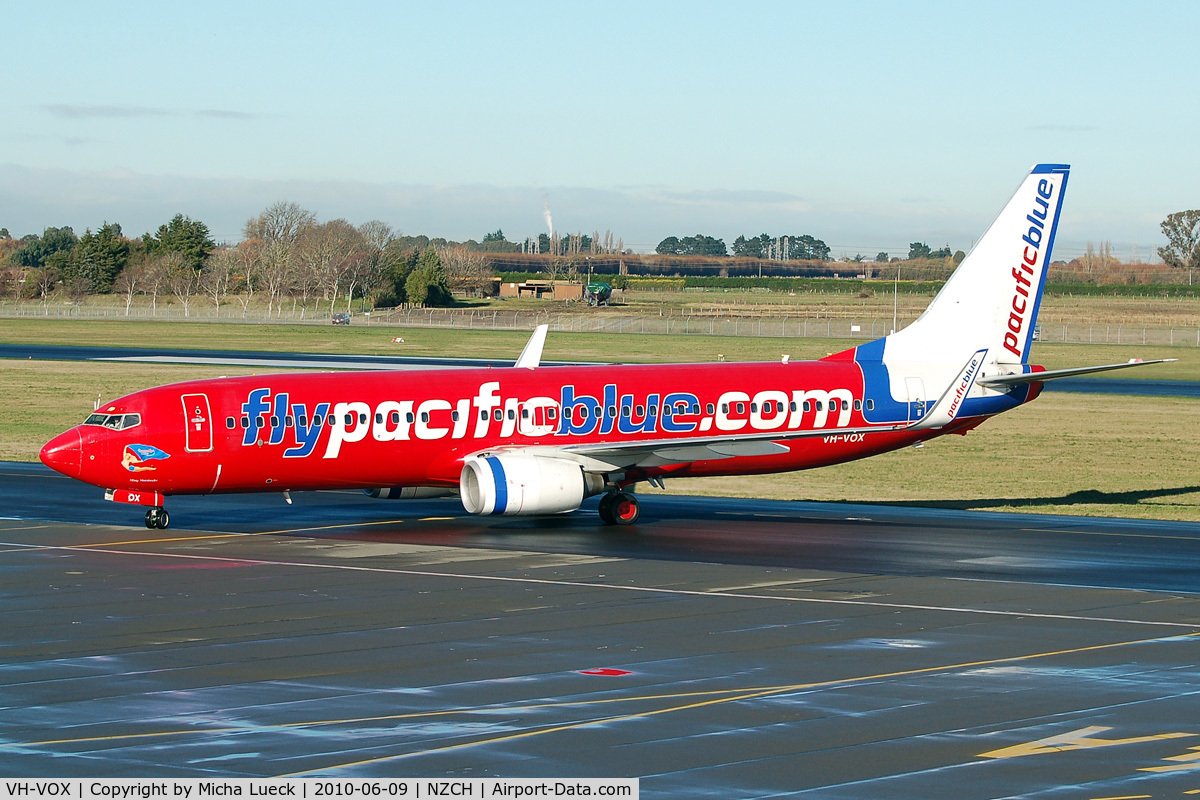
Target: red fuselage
<point x="414" y="428"/>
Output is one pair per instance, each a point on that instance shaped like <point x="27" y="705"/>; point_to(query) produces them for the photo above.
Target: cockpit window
<point x="116" y="422"/>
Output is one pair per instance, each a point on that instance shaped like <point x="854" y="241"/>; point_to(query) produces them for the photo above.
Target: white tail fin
<point x="991" y="301"/>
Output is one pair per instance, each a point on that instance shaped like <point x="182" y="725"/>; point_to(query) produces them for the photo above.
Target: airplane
<point x="533" y="439"/>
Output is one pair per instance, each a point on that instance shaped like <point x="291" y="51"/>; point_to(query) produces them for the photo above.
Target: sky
<point x="868" y="125"/>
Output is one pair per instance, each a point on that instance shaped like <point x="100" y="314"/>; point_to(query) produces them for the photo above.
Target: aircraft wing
<point x="607" y="456"/>
<point x="1049" y="375"/>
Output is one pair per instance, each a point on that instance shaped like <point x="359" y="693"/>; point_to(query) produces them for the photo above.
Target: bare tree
<point x="218" y="273"/>
<point x="327" y="252"/>
<point x="281" y="222"/>
<point x="248" y="258"/>
<point x="183" y="281"/>
<point x="129" y="282"/>
<point x="467" y="269"/>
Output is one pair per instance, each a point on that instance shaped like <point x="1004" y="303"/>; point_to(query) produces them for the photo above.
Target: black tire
<point x="164" y="519"/>
<point x="625" y="509"/>
<point x="606" y="510"/>
<point x="151" y="518"/>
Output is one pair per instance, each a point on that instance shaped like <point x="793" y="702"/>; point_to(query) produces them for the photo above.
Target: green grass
<point x="631" y="348"/>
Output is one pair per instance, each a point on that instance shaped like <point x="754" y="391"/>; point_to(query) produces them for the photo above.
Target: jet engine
<point x="516" y="483"/>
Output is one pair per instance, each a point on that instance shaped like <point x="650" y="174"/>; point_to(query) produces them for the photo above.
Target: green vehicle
<point x="598" y="293"/>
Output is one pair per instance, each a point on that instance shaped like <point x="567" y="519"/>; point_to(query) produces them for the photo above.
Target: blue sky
<point x="868" y="125"/>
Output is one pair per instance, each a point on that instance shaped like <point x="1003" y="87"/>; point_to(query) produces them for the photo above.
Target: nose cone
<point x="64" y="453"/>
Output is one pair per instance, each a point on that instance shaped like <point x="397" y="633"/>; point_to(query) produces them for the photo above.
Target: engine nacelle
<point x="515" y="483"/>
<point x="408" y="492"/>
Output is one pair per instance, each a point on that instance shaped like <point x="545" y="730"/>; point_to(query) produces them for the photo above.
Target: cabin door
<point x="198" y="422"/>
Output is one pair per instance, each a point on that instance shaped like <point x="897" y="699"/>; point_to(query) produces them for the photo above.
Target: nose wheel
<point x="620" y="508"/>
<point x="158" y="517"/>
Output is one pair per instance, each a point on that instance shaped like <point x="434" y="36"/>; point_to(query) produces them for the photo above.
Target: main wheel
<point x="152" y="518"/>
<point x="606" y="509"/>
<point x="625" y="508"/>
<point x="164" y="519"/>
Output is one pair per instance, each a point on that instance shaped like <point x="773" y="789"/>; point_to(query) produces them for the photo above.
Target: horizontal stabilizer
<point x="1049" y="375"/>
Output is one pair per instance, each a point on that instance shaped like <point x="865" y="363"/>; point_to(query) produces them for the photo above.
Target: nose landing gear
<point x="158" y="517"/>
<point x="619" y="508"/>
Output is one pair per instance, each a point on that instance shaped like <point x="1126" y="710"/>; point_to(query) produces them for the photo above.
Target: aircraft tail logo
<point x="991" y="301"/>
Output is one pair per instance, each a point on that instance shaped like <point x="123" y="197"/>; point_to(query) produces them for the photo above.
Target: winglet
<point x="946" y="409"/>
<point x="531" y="356"/>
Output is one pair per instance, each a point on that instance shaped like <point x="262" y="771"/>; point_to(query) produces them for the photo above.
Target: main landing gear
<point x="158" y="517"/>
<point x="619" y="508"/>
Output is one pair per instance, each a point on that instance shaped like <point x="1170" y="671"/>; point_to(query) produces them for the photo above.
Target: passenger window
<point x="551" y="413"/>
<point x="454" y="416"/>
<point x="820" y="405"/>
<point x="624" y="411"/>
<point x="741" y="408"/>
<point x="524" y="413"/>
<point x="870" y="405"/>
<point x="792" y="406"/>
<point x="708" y="408"/>
<point x="424" y="416"/>
<point x="724" y="408"/>
<point x="229" y="423"/>
<point x="362" y="419"/>
<point x="612" y="411"/>
<point x="349" y="420"/>
<point x="317" y="420"/>
<point x="482" y="416"/>
<point x="288" y="421"/>
<point x="245" y="422"/>
<point x="754" y="408"/>
<point x="667" y="411"/>
<point x="808" y="405"/>
<point x="858" y="405"/>
<point x="497" y="415"/>
<point x="583" y="412"/>
<point x="408" y="417"/>
<point x="302" y="421"/>
<point x="274" y="421"/>
<point x="512" y="414"/>
<point x="653" y="411"/>
<point x="395" y="417"/>
<point x="378" y="418"/>
<point x="845" y="405"/>
<point x="640" y="411"/>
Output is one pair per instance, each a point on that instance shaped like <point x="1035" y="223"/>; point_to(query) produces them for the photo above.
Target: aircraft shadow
<point x="1082" y="497"/>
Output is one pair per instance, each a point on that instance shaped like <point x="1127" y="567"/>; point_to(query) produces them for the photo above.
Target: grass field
<point x="630" y="348"/>
<point x="1065" y="453"/>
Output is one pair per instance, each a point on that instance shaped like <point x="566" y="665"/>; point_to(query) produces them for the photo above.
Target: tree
<point x="36" y="249"/>
<point x="97" y="259"/>
<point x="881" y="258"/>
<point x="280" y="222"/>
<point x="428" y="284"/>
<point x="1182" y="230"/>
<point x="698" y="245"/>
<point x="187" y="237"/>
<point x="467" y="270"/>
<point x="918" y="250"/>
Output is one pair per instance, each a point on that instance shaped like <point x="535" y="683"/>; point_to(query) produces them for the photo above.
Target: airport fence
<point x="598" y="321"/>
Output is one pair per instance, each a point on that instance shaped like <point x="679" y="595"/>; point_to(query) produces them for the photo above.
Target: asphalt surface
<point x="1126" y="386"/>
<point x="720" y="648"/>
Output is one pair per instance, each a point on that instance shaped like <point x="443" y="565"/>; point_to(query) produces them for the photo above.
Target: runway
<point x="720" y="648"/>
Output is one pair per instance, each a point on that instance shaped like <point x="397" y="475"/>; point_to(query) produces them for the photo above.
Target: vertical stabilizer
<point x="991" y="301"/>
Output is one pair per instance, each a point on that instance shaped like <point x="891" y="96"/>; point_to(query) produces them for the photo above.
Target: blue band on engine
<point x="501" y="484"/>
